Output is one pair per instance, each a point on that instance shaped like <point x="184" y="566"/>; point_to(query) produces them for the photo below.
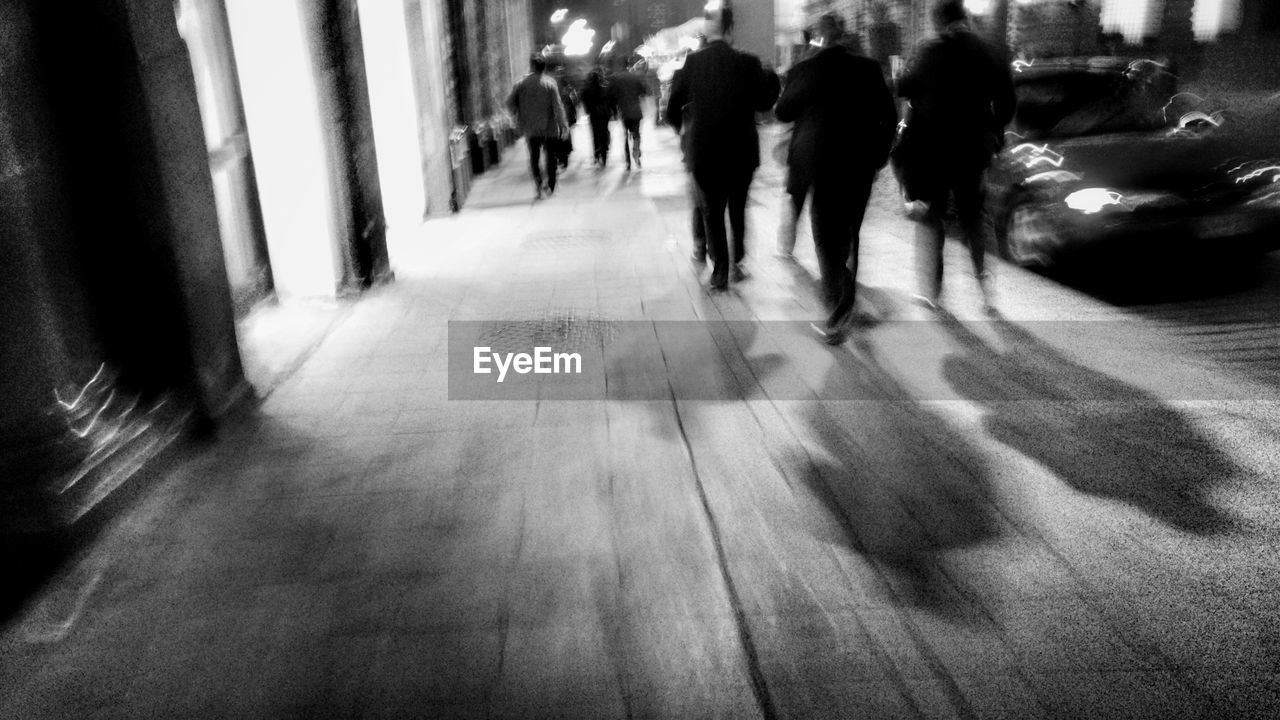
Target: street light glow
<point x="559" y="15"/>
<point x="578" y="39"/>
<point x="713" y="6"/>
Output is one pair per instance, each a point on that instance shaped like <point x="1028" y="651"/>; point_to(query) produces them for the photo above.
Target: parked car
<point x="1107" y="151"/>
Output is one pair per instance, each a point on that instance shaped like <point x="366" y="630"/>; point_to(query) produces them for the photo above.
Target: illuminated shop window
<point x="1134" y="19"/>
<point x="1211" y="18"/>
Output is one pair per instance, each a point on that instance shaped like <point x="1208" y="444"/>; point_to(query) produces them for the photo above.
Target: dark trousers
<point x="965" y="185"/>
<point x="630" y="139"/>
<point x="600" y="136"/>
<point x="721" y="191"/>
<point x="539" y="146"/>
<point x="837" y="209"/>
<point x="697" y="223"/>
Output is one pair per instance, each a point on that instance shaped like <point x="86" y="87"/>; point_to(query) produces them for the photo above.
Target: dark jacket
<point x="723" y="90"/>
<point x="595" y="98"/>
<point x="625" y="90"/>
<point x="961" y="95"/>
<point x="535" y="103"/>
<point x="844" y="118"/>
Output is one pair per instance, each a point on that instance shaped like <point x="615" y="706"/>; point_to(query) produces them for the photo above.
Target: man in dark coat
<point x="717" y="94"/>
<point x="535" y="103"/>
<point x="961" y="94"/>
<point x="844" y="124"/>
<point x="626" y="90"/>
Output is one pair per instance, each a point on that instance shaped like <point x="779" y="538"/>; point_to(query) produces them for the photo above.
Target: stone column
<point x="334" y="29"/>
<point x="187" y="214"/>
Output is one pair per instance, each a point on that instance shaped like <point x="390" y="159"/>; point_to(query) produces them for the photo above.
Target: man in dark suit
<point x="962" y="97"/>
<point x="535" y="103"/>
<point x="844" y="125"/>
<point x="717" y="95"/>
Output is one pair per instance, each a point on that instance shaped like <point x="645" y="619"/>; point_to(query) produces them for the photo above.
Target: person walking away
<point x="717" y="94"/>
<point x="844" y="126"/>
<point x="569" y="99"/>
<point x="539" y="113"/>
<point x="795" y="194"/>
<point x="627" y="89"/>
<point x="961" y="94"/>
<point x="697" y="223"/>
<point x="599" y="109"/>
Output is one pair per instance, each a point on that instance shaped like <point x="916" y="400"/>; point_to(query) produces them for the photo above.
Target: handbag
<point x="909" y="159"/>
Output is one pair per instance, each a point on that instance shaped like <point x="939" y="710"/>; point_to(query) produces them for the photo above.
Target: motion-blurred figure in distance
<point x="535" y="104"/>
<point x="718" y="93"/>
<point x="626" y="89"/>
<point x="599" y="107"/>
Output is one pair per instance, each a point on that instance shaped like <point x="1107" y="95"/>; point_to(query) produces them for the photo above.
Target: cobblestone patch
<point x="561" y="328"/>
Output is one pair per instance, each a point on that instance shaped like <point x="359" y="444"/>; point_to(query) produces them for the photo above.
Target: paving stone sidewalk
<point x="989" y="533"/>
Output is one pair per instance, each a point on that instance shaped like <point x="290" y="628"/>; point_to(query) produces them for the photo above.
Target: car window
<point x="1089" y="104"/>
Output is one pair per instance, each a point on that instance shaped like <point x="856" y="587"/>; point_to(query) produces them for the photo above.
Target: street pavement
<point x="1065" y="511"/>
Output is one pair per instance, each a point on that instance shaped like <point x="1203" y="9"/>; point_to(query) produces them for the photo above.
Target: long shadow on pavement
<point x="903" y="485"/>
<point x="1099" y="435"/>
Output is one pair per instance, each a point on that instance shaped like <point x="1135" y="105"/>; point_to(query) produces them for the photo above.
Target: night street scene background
<point x="320" y="401"/>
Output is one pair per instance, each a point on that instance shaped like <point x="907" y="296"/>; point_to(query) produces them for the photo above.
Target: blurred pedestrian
<point x="599" y="108"/>
<point x="717" y="94"/>
<point x="569" y="99"/>
<point x="626" y="89"/>
<point x="535" y="103"/>
<point x="961" y="94"/>
<point x="844" y="126"/>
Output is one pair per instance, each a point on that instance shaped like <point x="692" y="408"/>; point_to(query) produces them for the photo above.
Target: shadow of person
<point x="1099" y="435"/>
<point x="901" y="484"/>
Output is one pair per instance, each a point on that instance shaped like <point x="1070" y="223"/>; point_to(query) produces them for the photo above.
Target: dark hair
<point x="949" y="11"/>
<point x="833" y="20"/>
<point x="537" y="63"/>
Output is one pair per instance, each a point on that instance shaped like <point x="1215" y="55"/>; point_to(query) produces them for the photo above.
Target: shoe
<point x="739" y="273"/>
<point x="861" y="318"/>
<point x="699" y="257"/>
<point x="628" y="167"/>
<point x="637" y="159"/>
<point x="719" y="282"/>
<point x="830" y="336"/>
<point x="785" y="256"/>
<point x="915" y="209"/>
<point x="988" y="293"/>
<point x="551" y="190"/>
<point x="929" y="303"/>
<point x="537" y="194"/>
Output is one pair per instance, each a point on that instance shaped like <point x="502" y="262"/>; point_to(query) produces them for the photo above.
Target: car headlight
<point x="1093" y="200"/>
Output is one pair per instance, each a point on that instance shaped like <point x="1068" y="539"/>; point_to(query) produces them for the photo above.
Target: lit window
<point x="1211" y="18"/>
<point x="1134" y="19"/>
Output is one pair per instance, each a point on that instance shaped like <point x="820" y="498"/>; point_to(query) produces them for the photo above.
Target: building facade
<point x="169" y="165"/>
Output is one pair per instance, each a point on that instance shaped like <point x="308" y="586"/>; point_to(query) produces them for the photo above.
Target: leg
<point x="738" y="189"/>
<point x="697" y="222"/>
<point x="711" y="190"/>
<point x="857" y="199"/>
<point x="833" y="241"/>
<point x="551" y="164"/>
<point x="970" y="200"/>
<point x="792" y="207"/>
<point x="626" y="142"/>
<point x="930" y="236"/>
<point x="635" y="141"/>
<point x="535" y="152"/>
